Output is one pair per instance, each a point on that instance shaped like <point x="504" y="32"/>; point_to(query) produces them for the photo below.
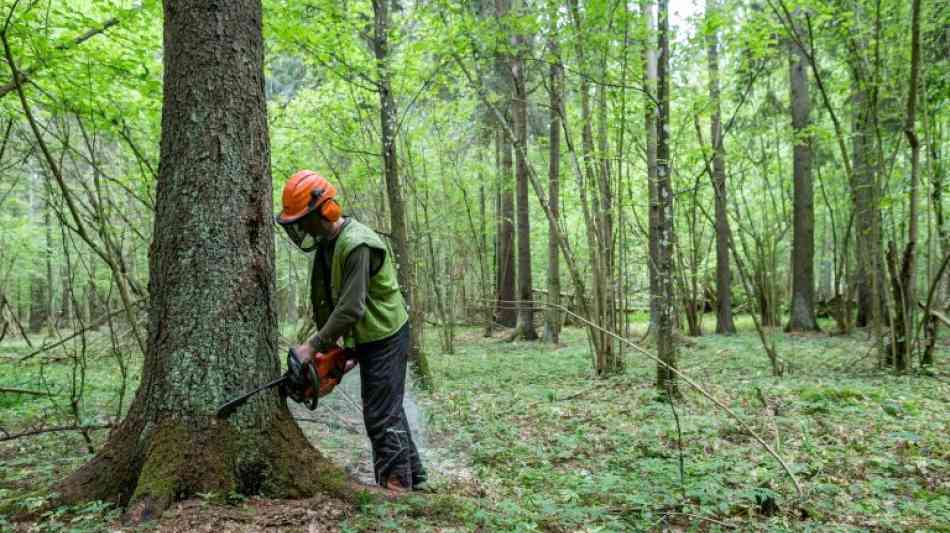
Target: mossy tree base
<point x="176" y="459"/>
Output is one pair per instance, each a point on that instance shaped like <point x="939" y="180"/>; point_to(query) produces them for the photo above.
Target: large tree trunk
<point x="552" y="317"/>
<point x="526" y="303"/>
<point x="505" y="309"/>
<point x="212" y="319"/>
<point x="666" y="349"/>
<point x="397" y="208"/>
<point x="802" y="312"/>
<point x="724" y="323"/>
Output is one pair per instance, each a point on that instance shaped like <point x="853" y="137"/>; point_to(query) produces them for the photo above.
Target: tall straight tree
<point x="212" y="328"/>
<point x="552" y="317"/>
<point x="397" y="208"/>
<point x="663" y="205"/>
<point x="649" y="124"/>
<point x="505" y="310"/>
<point x="724" y="323"/>
<point x="867" y="212"/>
<point x="519" y="104"/>
<point x="802" y="313"/>
<point x="905" y="283"/>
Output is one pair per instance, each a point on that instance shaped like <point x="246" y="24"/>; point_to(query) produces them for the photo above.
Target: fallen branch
<point x="25" y="391"/>
<point x="693" y="384"/>
<point x="937" y="314"/>
<point x="79" y="332"/>
<point x="33" y="432"/>
<point x="742" y="424"/>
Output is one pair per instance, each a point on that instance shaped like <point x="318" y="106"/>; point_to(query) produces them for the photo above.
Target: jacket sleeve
<point x="352" y="302"/>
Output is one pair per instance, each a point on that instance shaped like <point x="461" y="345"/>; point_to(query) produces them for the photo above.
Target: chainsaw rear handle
<point x="315" y="379"/>
<point x="301" y="379"/>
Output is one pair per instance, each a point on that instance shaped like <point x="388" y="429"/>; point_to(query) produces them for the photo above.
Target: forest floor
<point x="520" y="436"/>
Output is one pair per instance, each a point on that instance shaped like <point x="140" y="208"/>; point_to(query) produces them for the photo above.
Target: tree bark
<point x="724" y="323"/>
<point x="506" y="312"/>
<point x="869" y="272"/>
<point x="649" y="116"/>
<point x="552" y="317"/>
<point x="908" y="276"/>
<point x="212" y="330"/>
<point x="525" y="324"/>
<point x="802" y="312"/>
<point x="862" y="192"/>
<point x="40" y="285"/>
<point x="397" y="208"/>
<point x="663" y="205"/>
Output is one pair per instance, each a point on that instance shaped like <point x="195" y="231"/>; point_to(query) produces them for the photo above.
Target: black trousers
<point x="383" y="385"/>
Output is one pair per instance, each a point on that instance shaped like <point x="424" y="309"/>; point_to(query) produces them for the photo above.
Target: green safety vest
<point x="385" y="310"/>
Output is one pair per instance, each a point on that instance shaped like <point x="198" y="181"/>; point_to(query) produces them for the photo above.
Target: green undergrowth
<point x="527" y="439"/>
<point x="30" y="465"/>
<point x="552" y="448"/>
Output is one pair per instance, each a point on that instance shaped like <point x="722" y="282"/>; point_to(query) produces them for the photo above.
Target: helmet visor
<point x="299" y="237"/>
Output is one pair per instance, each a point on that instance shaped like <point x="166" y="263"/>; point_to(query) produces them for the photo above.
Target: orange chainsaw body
<point x="331" y="365"/>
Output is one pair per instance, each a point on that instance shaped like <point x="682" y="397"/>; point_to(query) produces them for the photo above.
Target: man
<point x="356" y="297"/>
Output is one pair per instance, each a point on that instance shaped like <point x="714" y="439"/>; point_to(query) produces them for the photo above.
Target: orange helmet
<point x="305" y="192"/>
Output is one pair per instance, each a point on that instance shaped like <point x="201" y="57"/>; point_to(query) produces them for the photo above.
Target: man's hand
<point x="304" y="353"/>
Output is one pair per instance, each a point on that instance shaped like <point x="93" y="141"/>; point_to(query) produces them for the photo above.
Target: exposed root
<point x="173" y="460"/>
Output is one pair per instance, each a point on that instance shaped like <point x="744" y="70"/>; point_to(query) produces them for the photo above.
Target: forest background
<point x="648" y="178"/>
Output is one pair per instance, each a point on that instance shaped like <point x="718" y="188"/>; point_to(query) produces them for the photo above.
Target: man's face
<point x="316" y="226"/>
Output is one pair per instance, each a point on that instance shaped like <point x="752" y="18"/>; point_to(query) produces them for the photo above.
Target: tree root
<point x="146" y="468"/>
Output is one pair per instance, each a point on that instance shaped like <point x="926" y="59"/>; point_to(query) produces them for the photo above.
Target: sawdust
<point x="336" y="429"/>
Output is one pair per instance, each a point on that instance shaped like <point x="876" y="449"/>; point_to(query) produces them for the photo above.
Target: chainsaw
<point x="304" y="383"/>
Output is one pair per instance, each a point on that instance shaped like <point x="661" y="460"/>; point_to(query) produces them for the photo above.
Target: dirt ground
<point x="314" y="515"/>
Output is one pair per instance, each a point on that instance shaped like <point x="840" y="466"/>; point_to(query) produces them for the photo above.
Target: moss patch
<point x="181" y="462"/>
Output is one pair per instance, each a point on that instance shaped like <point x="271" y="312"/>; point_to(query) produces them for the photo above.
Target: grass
<point x="537" y="443"/>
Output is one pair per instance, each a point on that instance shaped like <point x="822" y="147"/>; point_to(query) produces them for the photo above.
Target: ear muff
<point x="331" y="210"/>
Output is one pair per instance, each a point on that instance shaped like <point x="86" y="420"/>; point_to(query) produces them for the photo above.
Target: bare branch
<point x="33" y="432"/>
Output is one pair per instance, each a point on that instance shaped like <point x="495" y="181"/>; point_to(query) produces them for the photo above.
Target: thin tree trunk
<point x="506" y="311"/>
<point x="38" y="282"/>
<point x="908" y="278"/>
<point x="552" y="322"/>
<point x="802" y="312"/>
<point x="525" y="324"/>
<point x="397" y="208"/>
<point x="724" y="323"/>
<point x="650" y="109"/>
<point x="595" y="219"/>
<point x="666" y="349"/>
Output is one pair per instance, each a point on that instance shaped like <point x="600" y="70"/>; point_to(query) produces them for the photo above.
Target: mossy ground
<point x="520" y="436"/>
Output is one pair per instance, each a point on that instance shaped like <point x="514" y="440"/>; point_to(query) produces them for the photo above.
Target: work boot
<point x="395" y="486"/>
